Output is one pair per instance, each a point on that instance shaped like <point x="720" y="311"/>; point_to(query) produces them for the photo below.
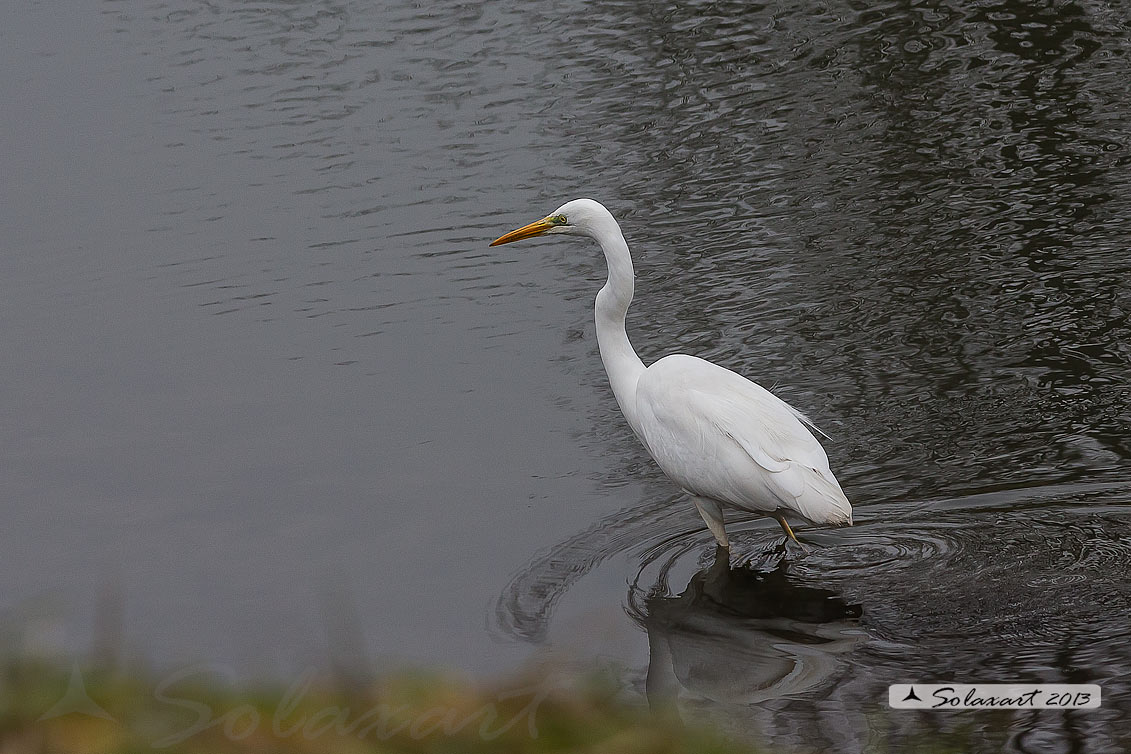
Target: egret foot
<point x="788" y="531"/>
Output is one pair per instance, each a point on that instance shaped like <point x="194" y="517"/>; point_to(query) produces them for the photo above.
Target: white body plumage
<point x="718" y="435"/>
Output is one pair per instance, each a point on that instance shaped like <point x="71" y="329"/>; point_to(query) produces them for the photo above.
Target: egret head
<point x="580" y="217"/>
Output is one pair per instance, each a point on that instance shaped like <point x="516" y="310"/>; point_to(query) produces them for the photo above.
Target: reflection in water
<point x="1024" y="584"/>
<point x="265" y="259"/>
<point x="527" y="603"/>
<point x="737" y="635"/>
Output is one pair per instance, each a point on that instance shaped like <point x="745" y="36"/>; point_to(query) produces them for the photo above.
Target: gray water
<point x="268" y="390"/>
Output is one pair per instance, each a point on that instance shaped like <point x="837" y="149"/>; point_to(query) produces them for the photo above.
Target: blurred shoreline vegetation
<point x="100" y="702"/>
<point x="46" y="706"/>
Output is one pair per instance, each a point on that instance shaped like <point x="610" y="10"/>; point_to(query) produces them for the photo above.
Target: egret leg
<point x="712" y="514"/>
<point x="785" y="527"/>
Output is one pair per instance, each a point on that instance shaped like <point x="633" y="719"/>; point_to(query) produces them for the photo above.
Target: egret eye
<point x="559" y="220"/>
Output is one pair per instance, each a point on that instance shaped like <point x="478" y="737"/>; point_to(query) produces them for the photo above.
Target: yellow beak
<point x="535" y="228"/>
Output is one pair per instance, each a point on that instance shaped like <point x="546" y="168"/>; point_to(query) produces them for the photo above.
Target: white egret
<point x="723" y="439"/>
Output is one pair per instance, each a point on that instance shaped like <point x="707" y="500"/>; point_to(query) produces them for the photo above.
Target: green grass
<point x="196" y="712"/>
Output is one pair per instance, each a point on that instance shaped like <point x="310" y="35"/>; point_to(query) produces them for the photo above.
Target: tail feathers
<point x="823" y="502"/>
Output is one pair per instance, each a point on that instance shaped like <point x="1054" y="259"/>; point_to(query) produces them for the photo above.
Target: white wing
<point x="719" y="435"/>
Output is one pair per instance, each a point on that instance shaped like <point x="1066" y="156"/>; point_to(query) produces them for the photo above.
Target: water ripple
<point x="929" y="569"/>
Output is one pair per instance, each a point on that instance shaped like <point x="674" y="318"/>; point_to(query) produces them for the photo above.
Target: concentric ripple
<point x="999" y="566"/>
<point x="1013" y="585"/>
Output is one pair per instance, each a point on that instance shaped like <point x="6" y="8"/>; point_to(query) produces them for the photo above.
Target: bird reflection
<point x="737" y="635"/>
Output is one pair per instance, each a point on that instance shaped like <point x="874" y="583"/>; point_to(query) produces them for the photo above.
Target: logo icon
<point x="76" y="700"/>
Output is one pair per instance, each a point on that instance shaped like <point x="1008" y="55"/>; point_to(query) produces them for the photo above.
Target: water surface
<point x="268" y="384"/>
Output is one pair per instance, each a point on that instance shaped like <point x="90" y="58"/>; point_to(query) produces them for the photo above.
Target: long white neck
<point x="622" y="364"/>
